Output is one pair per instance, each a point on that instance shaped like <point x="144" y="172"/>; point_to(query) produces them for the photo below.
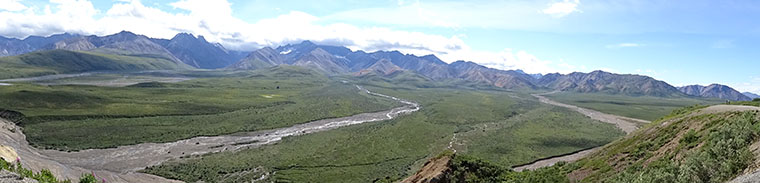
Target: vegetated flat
<point x="543" y="132"/>
<point x="116" y="79"/>
<point x="75" y="117"/>
<point x="484" y="119"/>
<point x="640" y="107"/>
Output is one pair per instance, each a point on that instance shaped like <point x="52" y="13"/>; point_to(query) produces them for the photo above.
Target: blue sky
<point x="679" y="41"/>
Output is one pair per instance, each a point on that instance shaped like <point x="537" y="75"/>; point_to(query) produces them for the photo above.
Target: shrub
<point x="690" y="139"/>
<point x="88" y="178"/>
<point x="470" y="169"/>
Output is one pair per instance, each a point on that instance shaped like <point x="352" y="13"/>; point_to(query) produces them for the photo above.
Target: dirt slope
<point x="431" y="172"/>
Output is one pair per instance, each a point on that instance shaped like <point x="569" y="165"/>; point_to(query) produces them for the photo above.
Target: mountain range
<point x="13" y="46"/>
<point x="339" y="60"/>
<point x="184" y="48"/>
<point x="751" y="95"/>
<point x="197" y="52"/>
<point x="714" y="91"/>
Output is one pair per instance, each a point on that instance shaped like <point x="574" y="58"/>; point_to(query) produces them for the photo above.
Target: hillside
<point x="693" y="144"/>
<point x="63" y="61"/>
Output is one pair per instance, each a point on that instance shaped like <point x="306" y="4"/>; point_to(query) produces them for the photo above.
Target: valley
<point x="120" y="164"/>
<point x="438" y="122"/>
<point x="389" y="151"/>
<point x="626" y="124"/>
<point x="130" y="108"/>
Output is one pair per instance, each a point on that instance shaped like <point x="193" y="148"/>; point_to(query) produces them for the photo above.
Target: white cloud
<point x="624" y="45"/>
<point x="509" y="59"/>
<point x="453" y="14"/>
<point x="751" y="85"/>
<point x="215" y="22"/>
<point x="561" y="9"/>
<point x="11" y="5"/>
<point x="70" y="16"/>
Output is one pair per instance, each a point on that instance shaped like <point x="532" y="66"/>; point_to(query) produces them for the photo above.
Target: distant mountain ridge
<point x="339" y="60"/>
<point x="197" y="52"/>
<point x="60" y="61"/>
<point x="751" y="95"/>
<point x="184" y="48"/>
<point x="13" y="46"/>
<point x="714" y="91"/>
<point x="600" y="81"/>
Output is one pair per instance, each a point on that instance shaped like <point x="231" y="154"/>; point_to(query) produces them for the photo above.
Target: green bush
<point x="470" y="169"/>
<point x="724" y="155"/>
<point x="88" y="178"/>
<point x="690" y="139"/>
<point x="44" y="176"/>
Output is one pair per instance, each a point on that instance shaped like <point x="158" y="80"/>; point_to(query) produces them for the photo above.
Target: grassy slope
<point x="755" y="102"/>
<point x="641" y="107"/>
<point x="57" y="116"/>
<point x="391" y="150"/>
<point x="62" y="61"/>
<point x="682" y="147"/>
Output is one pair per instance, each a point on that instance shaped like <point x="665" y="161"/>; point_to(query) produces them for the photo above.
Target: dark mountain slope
<point x="122" y="43"/>
<point x="63" y="61"/>
<point x="199" y="53"/>
<point x="185" y="48"/>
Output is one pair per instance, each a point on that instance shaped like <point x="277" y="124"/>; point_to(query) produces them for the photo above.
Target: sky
<point x="681" y="42"/>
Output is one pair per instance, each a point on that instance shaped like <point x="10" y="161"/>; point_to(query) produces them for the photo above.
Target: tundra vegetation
<point x="493" y="125"/>
<point x="43" y="176"/>
<point x="391" y="150"/>
<point x="682" y="147"/>
<point x="57" y="116"/>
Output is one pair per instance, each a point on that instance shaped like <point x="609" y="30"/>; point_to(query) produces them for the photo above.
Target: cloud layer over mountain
<point x="215" y="20"/>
